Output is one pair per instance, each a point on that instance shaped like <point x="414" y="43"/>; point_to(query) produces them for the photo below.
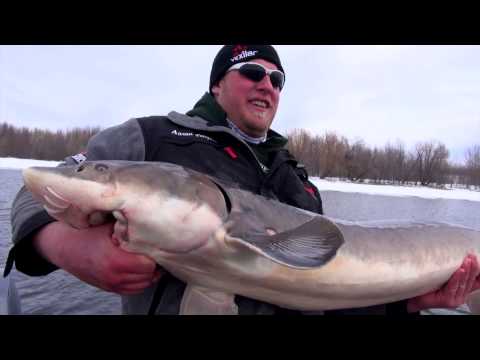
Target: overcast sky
<point x="376" y="93"/>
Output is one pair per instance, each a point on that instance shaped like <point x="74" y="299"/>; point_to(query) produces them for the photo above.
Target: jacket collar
<point x="208" y="115"/>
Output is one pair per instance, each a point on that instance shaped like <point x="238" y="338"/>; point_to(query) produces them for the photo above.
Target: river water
<point x="61" y="293"/>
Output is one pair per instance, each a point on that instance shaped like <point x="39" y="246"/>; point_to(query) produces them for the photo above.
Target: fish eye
<point x="80" y="168"/>
<point x="101" y="167"/>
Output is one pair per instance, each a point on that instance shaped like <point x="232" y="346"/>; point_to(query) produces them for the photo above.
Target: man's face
<point x="249" y="105"/>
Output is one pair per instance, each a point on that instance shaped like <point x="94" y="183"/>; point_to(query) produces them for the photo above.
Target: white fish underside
<point x="349" y="280"/>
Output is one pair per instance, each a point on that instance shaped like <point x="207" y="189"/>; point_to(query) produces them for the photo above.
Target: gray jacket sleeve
<point x="122" y="142"/>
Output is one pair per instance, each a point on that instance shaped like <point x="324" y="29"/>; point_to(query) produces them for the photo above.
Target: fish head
<point x="79" y="195"/>
<point x="166" y="206"/>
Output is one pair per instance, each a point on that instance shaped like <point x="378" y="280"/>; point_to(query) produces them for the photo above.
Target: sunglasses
<point x="257" y="72"/>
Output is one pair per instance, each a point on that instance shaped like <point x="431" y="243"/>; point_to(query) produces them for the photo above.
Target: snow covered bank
<point x="15" y="163"/>
<point x="392" y="190"/>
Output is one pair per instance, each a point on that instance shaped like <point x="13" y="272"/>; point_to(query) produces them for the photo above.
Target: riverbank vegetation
<point x="326" y="156"/>
<point x="331" y="155"/>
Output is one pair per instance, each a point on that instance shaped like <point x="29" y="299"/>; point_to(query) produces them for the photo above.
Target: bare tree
<point x="472" y="161"/>
<point x="358" y="161"/>
<point x="332" y="155"/>
<point x="303" y="146"/>
<point x="431" y="162"/>
<point x="322" y="155"/>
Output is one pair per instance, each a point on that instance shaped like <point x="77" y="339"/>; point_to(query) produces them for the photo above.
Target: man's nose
<point x="265" y="84"/>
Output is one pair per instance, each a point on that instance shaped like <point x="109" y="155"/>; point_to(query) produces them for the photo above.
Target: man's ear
<point x="217" y="87"/>
<point x="215" y="90"/>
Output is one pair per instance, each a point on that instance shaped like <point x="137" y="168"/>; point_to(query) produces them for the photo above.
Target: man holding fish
<point x="227" y="135"/>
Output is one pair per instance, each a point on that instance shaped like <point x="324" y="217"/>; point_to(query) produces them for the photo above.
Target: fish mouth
<point x="64" y="210"/>
<point x="54" y="203"/>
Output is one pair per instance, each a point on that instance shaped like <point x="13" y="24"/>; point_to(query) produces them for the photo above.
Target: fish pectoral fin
<point x="309" y="245"/>
<point x="199" y="300"/>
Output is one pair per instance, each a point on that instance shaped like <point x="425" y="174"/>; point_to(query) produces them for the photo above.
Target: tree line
<point x="330" y="155"/>
<point x="43" y="144"/>
<point x="327" y="155"/>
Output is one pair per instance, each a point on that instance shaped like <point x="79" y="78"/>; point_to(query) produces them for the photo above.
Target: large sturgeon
<point x="222" y="240"/>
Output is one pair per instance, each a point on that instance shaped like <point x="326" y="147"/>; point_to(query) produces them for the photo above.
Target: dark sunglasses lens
<point x="277" y="79"/>
<point x="257" y="73"/>
<point x="252" y="72"/>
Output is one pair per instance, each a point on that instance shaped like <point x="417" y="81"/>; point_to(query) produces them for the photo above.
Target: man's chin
<point x="261" y="119"/>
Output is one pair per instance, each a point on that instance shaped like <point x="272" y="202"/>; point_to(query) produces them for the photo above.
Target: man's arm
<point x="42" y="244"/>
<point x="95" y="258"/>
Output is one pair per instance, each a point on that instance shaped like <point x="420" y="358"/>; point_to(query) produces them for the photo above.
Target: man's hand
<point x="453" y="294"/>
<point x="95" y="258"/>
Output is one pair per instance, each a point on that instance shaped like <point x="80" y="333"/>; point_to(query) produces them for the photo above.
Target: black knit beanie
<point x="233" y="54"/>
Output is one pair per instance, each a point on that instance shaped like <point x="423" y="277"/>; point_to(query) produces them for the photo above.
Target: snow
<point x="15" y="163"/>
<point x="396" y="190"/>
<point x="322" y="184"/>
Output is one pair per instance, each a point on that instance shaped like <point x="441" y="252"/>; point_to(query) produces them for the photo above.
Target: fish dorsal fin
<point x="309" y="245"/>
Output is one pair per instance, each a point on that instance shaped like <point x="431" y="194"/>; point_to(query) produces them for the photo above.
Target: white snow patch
<point x="396" y="190"/>
<point x="16" y="163"/>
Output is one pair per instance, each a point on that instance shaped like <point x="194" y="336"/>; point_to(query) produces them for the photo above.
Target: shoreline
<point x="396" y="190"/>
<point x="322" y="184"/>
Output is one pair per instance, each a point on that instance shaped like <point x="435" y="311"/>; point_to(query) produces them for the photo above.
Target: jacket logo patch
<point x="197" y="135"/>
<point x="310" y="190"/>
<point x="79" y="158"/>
